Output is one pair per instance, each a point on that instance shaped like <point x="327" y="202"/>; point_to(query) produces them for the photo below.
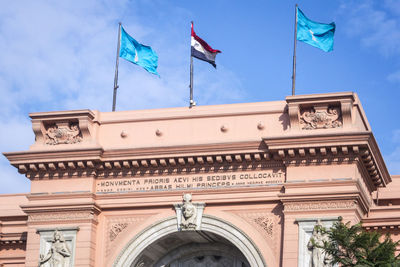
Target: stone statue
<point x="58" y="252"/>
<point x="189" y="213"/>
<point x="318" y="256"/>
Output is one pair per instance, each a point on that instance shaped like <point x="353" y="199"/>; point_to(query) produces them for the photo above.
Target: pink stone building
<point x="229" y="185"/>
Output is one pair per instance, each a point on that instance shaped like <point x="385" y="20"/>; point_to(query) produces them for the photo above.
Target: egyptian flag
<point x="201" y="50"/>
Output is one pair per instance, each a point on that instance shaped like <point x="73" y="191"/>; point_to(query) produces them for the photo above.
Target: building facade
<point x="226" y="185"/>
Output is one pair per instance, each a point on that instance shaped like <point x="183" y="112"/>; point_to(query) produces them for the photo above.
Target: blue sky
<point x="60" y="55"/>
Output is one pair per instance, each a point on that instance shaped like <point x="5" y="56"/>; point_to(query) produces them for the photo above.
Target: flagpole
<point x="294" y="54"/>
<point x="116" y="68"/>
<point x="191" y="102"/>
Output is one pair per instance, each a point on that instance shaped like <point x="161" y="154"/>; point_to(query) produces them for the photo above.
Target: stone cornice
<point x="382" y="217"/>
<point x="45" y="156"/>
<point x="294" y="149"/>
<point x="48" y="207"/>
<point x="39" y="213"/>
<point x="13" y="238"/>
<point x="317" y="98"/>
<point x="57" y="115"/>
<point x="65" y="195"/>
<point x="95" y="161"/>
<point x="359" y="148"/>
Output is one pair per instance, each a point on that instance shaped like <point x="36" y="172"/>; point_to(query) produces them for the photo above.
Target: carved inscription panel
<point x="265" y="177"/>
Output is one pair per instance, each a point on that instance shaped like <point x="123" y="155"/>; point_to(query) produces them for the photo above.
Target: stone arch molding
<point x="209" y="223"/>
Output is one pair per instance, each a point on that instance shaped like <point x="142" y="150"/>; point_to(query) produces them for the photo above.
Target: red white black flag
<point x="201" y="50"/>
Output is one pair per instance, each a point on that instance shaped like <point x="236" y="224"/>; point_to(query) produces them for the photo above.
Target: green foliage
<point x="350" y="245"/>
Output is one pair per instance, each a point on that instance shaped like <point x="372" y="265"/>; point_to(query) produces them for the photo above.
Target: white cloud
<point x="393" y="159"/>
<point x="59" y="55"/>
<point x="396" y="136"/>
<point x="394" y="77"/>
<point x="11" y="181"/>
<point x="376" y="23"/>
<point x="16" y="135"/>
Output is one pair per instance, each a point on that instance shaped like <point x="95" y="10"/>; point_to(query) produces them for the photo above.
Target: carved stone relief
<point x="189" y="214"/>
<point x="116" y="228"/>
<point x="63" y="133"/>
<point x="58" y="255"/>
<point x="320" y="117"/>
<point x="266" y="222"/>
<point x="318" y="257"/>
<point x="117" y="225"/>
<point x="57" y="247"/>
<point x="309" y="254"/>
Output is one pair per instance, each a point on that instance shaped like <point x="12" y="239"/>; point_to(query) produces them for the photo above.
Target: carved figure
<point x="57" y="254"/>
<point x="321" y="119"/>
<point x="189" y="213"/>
<point x="318" y="256"/>
<point x="63" y="134"/>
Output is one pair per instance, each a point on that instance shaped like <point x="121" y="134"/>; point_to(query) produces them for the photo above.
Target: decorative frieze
<point x="320" y="205"/>
<point x="61" y="216"/>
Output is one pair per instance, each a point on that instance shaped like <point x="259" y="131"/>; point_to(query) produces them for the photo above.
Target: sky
<point x="60" y="55"/>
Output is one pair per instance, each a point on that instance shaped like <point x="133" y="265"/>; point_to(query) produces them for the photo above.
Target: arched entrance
<point x="219" y="243"/>
<point x="191" y="248"/>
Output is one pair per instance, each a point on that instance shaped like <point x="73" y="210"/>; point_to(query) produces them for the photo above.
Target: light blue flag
<point x="138" y="54"/>
<point x="319" y="35"/>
